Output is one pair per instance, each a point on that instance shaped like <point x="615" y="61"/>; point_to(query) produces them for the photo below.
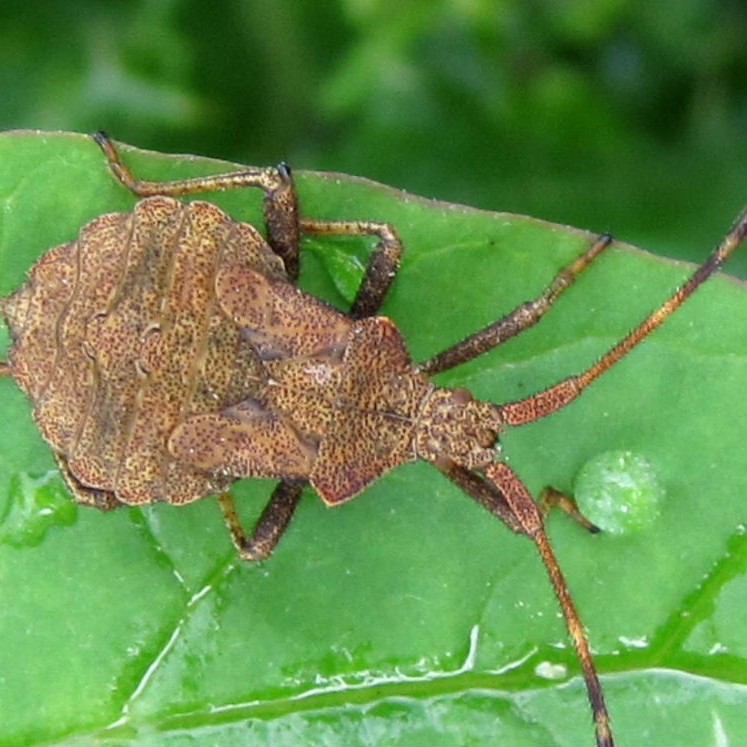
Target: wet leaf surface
<point x="409" y="616"/>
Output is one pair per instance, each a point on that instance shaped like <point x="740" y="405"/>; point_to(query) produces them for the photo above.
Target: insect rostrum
<point x="168" y="352"/>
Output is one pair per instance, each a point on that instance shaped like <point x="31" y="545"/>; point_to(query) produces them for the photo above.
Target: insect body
<point x="168" y="352"/>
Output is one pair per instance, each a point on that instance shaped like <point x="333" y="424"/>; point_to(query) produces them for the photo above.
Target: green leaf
<point x="408" y="616"/>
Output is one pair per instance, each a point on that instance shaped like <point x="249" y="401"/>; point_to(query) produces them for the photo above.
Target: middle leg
<point x="270" y="526"/>
<point x="382" y="267"/>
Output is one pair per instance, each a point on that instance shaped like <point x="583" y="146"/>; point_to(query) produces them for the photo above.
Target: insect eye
<point x="461" y="396"/>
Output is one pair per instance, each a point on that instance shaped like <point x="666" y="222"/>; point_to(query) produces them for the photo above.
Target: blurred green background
<point x="608" y="115"/>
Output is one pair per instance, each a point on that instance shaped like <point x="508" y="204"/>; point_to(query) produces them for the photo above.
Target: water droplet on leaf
<point x="34" y="505"/>
<point x="619" y="492"/>
<point x="550" y="671"/>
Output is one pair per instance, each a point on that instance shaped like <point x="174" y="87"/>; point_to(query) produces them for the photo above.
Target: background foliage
<point x="613" y="116"/>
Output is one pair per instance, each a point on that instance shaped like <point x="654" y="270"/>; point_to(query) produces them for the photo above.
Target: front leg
<point x="522" y="317"/>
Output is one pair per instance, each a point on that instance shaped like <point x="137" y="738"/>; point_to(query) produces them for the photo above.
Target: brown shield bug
<point x="168" y="352"/>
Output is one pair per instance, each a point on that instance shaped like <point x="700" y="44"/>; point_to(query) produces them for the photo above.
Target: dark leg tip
<point x="100" y="138"/>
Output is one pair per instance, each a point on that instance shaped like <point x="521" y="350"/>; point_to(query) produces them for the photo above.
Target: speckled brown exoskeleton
<point x="168" y="352"/>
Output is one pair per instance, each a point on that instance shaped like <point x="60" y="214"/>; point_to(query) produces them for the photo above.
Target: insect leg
<point x="553" y="498"/>
<point x="484" y="493"/>
<point x="280" y="204"/>
<point x="478" y="488"/>
<point x="382" y="267"/>
<point x="505" y="496"/>
<point x="271" y="524"/>
<point x="556" y="397"/>
<point x="522" y="317"/>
